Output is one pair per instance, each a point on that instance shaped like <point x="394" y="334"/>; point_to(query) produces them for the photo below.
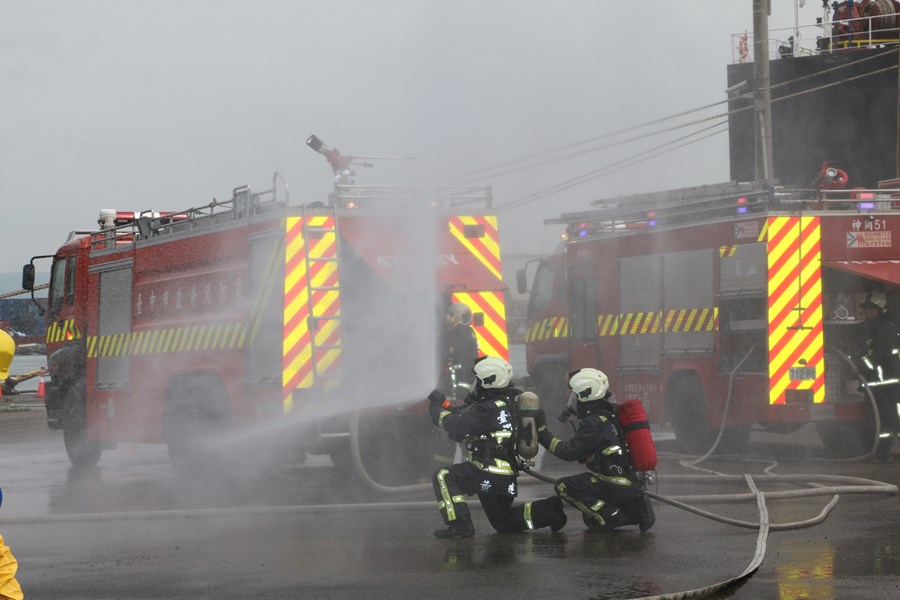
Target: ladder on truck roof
<point x="677" y="206"/>
<point x="314" y="262"/>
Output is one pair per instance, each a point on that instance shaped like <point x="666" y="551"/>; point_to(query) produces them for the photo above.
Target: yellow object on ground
<point x="9" y="587"/>
<point x="7" y="350"/>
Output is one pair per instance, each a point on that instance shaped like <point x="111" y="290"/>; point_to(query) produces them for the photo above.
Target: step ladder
<point x="325" y="354"/>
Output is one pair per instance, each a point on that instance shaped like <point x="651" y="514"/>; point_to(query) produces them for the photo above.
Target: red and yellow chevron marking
<point x="727" y="250"/>
<point x="551" y="327"/>
<point x="795" y="305"/>
<point x="492" y="340"/>
<point x="682" y="320"/>
<point x="303" y="305"/>
<point x="62" y="331"/>
<point x="487" y="248"/>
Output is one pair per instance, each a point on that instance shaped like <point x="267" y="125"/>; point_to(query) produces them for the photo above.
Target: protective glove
<point x="436" y="397"/>
<point x="566" y="415"/>
<point x="540" y="419"/>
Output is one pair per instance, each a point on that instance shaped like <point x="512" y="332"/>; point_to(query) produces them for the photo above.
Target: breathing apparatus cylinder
<point x="636" y="428"/>
<point x="527" y="441"/>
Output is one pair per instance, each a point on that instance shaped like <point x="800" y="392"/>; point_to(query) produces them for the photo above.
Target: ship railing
<point x="819" y="38"/>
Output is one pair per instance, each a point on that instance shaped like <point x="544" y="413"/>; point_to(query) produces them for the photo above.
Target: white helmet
<point x="588" y="384"/>
<point x="493" y="372"/>
<point x="461" y="311"/>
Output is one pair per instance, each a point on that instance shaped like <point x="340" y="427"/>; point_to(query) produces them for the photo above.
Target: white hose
<point x="360" y="468"/>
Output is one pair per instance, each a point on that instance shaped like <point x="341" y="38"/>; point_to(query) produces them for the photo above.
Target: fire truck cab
<point x="172" y="327"/>
<point x="723" y="305"/>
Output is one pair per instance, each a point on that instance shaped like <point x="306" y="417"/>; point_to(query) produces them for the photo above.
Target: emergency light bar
<point x="867" y="200"/>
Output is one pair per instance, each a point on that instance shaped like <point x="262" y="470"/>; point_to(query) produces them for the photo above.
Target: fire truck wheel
<point x="847" y="439"/>
<point x="686" y="411"/>
<point x="397" y="449"/>
<point x="551" y="392"/>
<point x="82" y="451"/>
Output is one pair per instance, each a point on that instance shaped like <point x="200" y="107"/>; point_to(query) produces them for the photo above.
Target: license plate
<point x="803" y="374"/>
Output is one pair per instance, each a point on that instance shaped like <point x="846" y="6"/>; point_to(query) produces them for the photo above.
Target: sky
<point x="164" y="105"/>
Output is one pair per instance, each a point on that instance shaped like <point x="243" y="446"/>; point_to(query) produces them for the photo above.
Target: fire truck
<point x="167" y="327"/>
<point x="721" y="306"/>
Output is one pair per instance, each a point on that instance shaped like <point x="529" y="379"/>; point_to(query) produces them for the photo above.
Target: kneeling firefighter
<point x="611" y="494"/>
<point x="487" y="424"/>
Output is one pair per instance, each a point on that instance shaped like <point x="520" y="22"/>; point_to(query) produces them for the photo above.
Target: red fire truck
<point x="163" y="327"/>
<point x="733" y="303"/>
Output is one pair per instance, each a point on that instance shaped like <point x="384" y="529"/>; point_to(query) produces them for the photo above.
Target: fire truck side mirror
<point x="28" y="277"/>
<point x="522" y="281"/>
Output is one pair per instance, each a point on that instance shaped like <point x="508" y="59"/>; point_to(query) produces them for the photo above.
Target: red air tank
<point x="636" y="428"/>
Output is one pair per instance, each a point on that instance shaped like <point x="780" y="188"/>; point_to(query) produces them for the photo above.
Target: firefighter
<point x="880" y="365"/>
<point x="609" y="495"/>
<point x="487" y="425"/>
<point x="9" y="587"/>
<point x="459" y="347"/>
<point x="7" y="351"/>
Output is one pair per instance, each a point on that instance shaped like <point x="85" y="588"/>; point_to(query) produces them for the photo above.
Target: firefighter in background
<point x="879" y="363"/>
<point x="459" y="348"/>
<point x="7" y="351"/>
<point x="610" y="494"/>
<point x="487" y="425"/>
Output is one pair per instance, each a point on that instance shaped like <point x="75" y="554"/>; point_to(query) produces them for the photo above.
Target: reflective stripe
<point x="561" y="490"/>
<point x="443" y="414"/>
<point x="884" y="435"/>
<point x="459" y="499"/>
<point x="615" y="480"/>
<point x="503" y="469"/>
<point x="883" y="382"/>
<point x="445" y="494"/>
<point x="598" y="505"/>
<point x="554" y="443"/>
<point x="612" y="450"/>
<point x="500" y="403"/>
<point x="527" y="515"/>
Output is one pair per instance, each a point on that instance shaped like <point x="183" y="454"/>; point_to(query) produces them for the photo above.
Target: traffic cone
<point x="41" y="391"/>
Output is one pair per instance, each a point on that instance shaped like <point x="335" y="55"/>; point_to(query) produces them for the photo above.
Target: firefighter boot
<point x="884" y="454"/>
<point x="645" y="514"/>
<point x="558" y="517"/>
<point x="460" y="528"/>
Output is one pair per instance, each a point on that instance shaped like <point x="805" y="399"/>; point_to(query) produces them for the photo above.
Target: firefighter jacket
<point x="9" y="587"/>
<point x="881" y="353"/>
<point x="487" y="427"/>
<point x="461" y="348"/>
<point x="597" y="443"/>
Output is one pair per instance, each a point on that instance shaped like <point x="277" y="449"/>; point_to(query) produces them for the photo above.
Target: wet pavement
<point x="133" y="529"/>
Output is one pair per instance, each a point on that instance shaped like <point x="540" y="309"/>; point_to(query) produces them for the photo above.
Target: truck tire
<point x="847" y="439"/>
<point x="82" y="452"/>
<point x="195" y="409"/>
<point x="686" y="411"/>
<point x="398" y="449"/>
<point x="551" y="391"/>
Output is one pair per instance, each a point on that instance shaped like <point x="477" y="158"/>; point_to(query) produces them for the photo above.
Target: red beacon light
<point x="742" y="205"/>
<point x="865" y="200"/>
<point x="651" y="218"/>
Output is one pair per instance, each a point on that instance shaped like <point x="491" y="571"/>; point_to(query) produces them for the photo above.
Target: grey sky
<point x="163" y="105"/>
